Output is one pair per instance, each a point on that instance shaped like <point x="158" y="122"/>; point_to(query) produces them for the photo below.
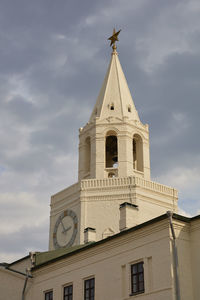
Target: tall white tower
<point x="114" y="171"/>
<point x="114" y="143"/>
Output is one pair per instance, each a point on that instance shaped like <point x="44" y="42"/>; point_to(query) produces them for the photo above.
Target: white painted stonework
<point x="101" y="189"/>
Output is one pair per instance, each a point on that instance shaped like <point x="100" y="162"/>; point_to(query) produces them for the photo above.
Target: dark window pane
<point x="92" y="283"/>
<point x="134" y="279"/>
<point x="141" y="286"/>
<point x="134" y="288"/>
<point x="87" y="293"/>
<point x="140" y="267"/>
<point x="141" y="277"/>
<point x="134" y="269"/>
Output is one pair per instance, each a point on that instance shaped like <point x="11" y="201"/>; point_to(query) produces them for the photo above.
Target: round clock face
<point x="65" y="229"/>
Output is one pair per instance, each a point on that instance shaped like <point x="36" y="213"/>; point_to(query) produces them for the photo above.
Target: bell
<point x="115" y="158"/>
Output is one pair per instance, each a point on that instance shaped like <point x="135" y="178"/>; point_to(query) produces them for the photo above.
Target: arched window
<point x="138" y="153"/>
<point x="111" y="152"/>
<point x="87" y="154"/>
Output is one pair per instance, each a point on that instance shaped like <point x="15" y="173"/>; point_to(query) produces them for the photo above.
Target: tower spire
<point x="114" y="99"/>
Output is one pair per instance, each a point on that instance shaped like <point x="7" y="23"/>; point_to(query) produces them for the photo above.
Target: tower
<point x="114" y="143"/>
<point x="114" y="189"/>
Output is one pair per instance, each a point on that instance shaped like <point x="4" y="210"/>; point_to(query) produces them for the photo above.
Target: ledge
<point x="128" y="181"/>
<point x="89" y="229"/>
<point x="128" y="204"/>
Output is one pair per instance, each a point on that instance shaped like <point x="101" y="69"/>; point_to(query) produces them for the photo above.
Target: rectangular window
<point x="68" y="292"/>
<point x="89" y="289"/>
<point x="137" y="278"/>
<point x="49" y="295"/>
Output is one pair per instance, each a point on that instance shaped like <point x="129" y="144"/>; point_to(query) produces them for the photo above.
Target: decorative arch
<point x="138" y="162"/>
<point x="111" y="130"/>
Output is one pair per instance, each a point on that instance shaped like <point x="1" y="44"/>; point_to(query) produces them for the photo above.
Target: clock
<point x="65" y="229"/>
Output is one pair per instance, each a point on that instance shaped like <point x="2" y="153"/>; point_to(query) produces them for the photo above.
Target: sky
<point x="53" y="58"/>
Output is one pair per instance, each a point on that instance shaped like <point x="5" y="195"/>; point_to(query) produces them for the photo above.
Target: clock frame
<point x="67" y="214"/>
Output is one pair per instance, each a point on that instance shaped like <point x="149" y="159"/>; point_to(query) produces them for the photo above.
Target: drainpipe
<point x="25" y="284"/>
<point x="175" y="256"/>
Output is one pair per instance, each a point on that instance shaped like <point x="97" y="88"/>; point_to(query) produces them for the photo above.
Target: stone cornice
<point x="128" y="181"/>
<point x="112" y="184"/>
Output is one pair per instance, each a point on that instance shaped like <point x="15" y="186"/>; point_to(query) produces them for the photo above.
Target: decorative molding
<point x="128" y="181"/>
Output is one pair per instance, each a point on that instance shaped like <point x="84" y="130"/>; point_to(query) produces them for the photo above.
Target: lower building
<point x="158" y="259"/>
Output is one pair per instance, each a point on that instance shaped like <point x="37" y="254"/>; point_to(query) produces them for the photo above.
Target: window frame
<point x="137" y="280"/>
<point x="90" y="288"/>
<point x="66" y="297"/>
<point x="47" y="293"/>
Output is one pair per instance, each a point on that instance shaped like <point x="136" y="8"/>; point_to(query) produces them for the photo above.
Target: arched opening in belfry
<point x="138" y="153"/>
<point x="111" y="151"/>
<point x="87" y="154"/>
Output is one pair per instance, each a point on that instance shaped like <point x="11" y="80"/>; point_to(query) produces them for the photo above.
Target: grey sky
<point x="53" y="58"/>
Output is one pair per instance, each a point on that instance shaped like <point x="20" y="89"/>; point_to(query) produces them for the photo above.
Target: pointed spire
<point x="114" y="99"/>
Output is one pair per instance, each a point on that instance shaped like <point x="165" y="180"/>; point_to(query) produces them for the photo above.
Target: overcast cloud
<point x="53" y="58"/>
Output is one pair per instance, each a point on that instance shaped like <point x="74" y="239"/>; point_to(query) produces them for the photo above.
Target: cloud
<point x="186" y="179"/>
<point x="53" y="58"/>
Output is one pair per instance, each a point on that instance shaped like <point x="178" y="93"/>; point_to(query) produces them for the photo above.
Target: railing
<point x="86" y="184"/>
<point x="131" y="180"/>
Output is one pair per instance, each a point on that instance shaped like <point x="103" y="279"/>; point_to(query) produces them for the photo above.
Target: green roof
<point x="44" y="257"/>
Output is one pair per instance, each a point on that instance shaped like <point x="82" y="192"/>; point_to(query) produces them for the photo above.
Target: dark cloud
<point x="53" y="58"/>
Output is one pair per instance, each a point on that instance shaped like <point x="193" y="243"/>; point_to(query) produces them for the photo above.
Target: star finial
<point x="114" y="38"/>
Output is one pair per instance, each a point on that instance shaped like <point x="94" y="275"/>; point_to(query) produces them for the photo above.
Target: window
<point x="138" y="153"/>
<point x="49" y="295"/>
<point x="111" y="151"/>
<point x="137" y="278"/>
<point x="87" y="154"/>
<point x="68" y="292"/>
<point x="89" y="289"/>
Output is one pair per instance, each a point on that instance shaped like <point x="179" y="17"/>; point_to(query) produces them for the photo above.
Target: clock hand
<point x="62" y="226"/>
<point x="65" y="230"/>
